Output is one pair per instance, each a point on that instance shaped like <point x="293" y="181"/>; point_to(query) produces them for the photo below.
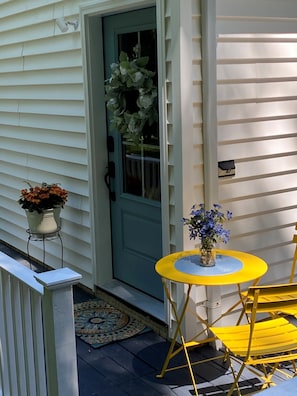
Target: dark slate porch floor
<point x="129" y="367"/>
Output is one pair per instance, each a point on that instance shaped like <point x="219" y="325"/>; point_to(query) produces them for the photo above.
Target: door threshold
<point x="136" y="298"/>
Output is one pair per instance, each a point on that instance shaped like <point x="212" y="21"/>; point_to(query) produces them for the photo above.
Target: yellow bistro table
<point x="231" y="268"/>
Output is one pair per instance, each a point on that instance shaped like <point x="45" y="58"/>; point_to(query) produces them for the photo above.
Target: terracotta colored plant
<point x="46" y="196"/>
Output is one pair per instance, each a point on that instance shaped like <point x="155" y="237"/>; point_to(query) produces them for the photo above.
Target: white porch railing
<point x="37" y="337"/>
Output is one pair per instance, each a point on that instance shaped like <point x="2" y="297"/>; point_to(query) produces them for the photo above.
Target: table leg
<point x="172" y="352"/>
<point x="178" y="332"/>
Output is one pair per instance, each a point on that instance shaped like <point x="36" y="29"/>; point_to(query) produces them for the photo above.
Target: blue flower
<point x="207" y="225"/>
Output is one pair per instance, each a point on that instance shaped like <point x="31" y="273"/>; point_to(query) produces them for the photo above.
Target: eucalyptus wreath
<point x="131" y="96"/>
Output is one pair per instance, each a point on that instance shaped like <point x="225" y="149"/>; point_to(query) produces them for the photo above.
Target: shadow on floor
<point x="129" y="367"/>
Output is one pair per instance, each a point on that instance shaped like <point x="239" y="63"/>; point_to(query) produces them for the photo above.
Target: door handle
<point x="110" y="144"/>
<point x="111" y="168"/>
<point x="110" y="173"/>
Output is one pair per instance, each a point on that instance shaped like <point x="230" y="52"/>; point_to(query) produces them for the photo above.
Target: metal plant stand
<point x="34" y="236"/>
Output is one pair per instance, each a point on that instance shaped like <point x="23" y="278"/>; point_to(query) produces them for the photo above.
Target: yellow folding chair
<point x="276" y="297"/>
<point x="265" y="343"/>
<point x="292" y="276"/>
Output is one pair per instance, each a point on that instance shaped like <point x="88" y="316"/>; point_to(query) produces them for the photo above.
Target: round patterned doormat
<point x="98" y="323"/>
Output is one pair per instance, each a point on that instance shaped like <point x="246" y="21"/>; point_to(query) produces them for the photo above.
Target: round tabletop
<point x="232" y="267"/>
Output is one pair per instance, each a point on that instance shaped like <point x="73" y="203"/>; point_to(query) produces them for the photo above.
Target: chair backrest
<point x="260" y="299"/>
<point x="292" y="276"/>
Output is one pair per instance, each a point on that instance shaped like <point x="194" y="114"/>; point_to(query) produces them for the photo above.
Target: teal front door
<point x="133" y="175"/>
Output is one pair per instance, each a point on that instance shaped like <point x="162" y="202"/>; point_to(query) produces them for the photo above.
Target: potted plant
<point x="43" y="205"/>
<point x="207" y="225"/>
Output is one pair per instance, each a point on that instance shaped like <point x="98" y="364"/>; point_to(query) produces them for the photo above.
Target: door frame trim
<point x="91" y="15"/>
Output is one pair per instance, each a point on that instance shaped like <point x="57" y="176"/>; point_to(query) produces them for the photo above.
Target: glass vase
<point x="207" y="256"/>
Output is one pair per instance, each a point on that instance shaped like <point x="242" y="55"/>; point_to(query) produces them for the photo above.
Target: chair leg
<point x="267" y="376"/>
<point x="236" y="379"/>
<point x="236" y="376"/>
<point x="242" y="314"/>
<point x="294" y="367"/>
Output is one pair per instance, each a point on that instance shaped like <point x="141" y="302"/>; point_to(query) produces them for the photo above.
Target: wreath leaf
<point x="131" y="96"/>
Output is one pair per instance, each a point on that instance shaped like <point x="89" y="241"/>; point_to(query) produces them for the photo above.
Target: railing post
<point x="59" y="332"/>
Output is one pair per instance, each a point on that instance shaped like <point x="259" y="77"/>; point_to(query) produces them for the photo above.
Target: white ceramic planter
<point x="42" y="223"/>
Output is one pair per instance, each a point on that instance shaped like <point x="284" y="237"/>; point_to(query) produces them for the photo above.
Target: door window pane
<point x="141" y="170"/>
<point x="141" y="162"/>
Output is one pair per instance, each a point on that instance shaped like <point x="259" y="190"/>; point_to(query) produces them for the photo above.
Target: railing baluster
<point x="23" y="343"/>
<point x="36" y="307"/>
<point x="10" y="339"/>
<point x="4" y="373"/>
<point x="19" y="320"/>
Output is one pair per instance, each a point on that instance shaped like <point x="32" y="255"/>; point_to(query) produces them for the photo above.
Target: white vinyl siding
<point x="257" y="127"/>
<point x="184" y="133"/>
<point x="184" y="115"/>
<point x="43" y="126"/>
<point x="197" y="194"/>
